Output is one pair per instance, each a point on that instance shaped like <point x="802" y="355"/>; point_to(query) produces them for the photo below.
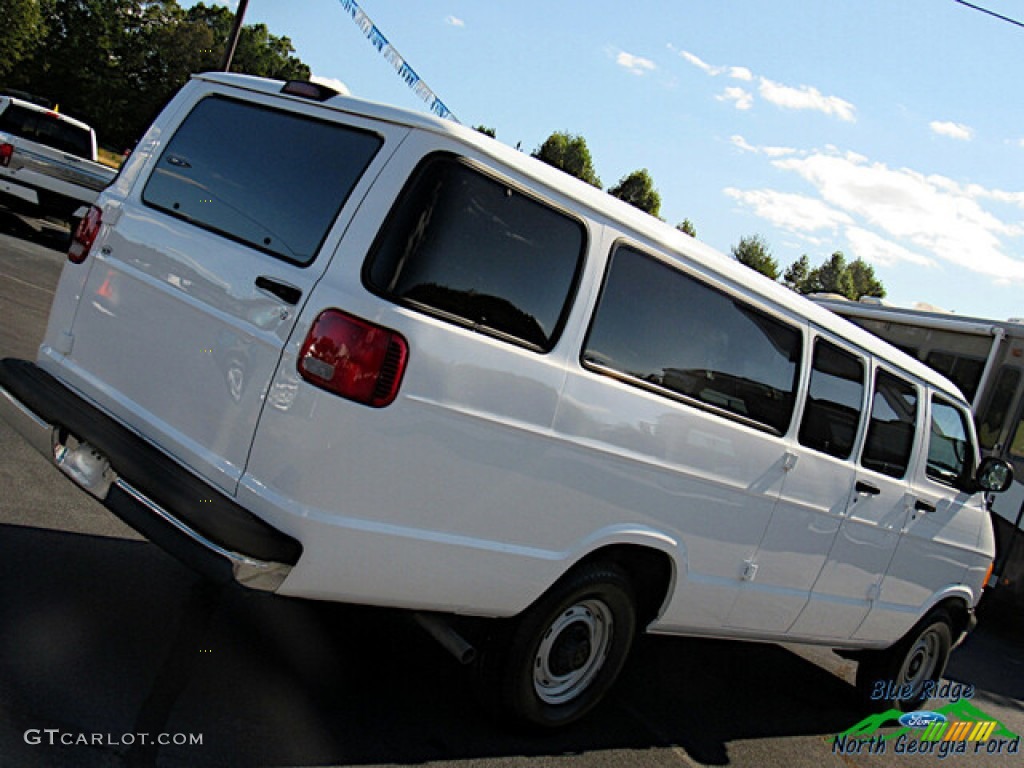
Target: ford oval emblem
<point x="921" y="719"/>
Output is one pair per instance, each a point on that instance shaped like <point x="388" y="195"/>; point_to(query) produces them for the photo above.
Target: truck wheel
<point x="904" y="676"/>
<point x="566" y="650"/>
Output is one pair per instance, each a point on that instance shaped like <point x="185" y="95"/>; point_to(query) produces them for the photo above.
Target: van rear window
<point x="46" y="128"/>
<point x="473" y="250"/>
<point x="666" y="331"/>
<point x="269" y="179"/>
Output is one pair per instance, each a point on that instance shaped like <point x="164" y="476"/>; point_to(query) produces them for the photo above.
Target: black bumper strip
<point x="190" y="499"/>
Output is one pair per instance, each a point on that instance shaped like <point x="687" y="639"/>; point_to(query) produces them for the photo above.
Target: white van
<point x="344" y="352"/>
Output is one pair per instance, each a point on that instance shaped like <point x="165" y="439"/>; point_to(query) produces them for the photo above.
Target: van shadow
<point x="109" y="636"/>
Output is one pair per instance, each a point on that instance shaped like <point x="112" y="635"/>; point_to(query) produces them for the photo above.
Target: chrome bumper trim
<point x="37" y="432"/>
<point x="255" y="574"/>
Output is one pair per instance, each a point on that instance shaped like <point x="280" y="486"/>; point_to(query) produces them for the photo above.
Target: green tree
<point x="687" y="228"/>
<point x="637" y="189"/>
<point x="114" y="63"/>
<point x="21" y="29"/>
<point x="753" y="252"/>
<point x="835" y="275"/>
<point x="832" y="276"/>
<point x="795" y="277"/>
<point x="486" y="131"/>
<point x="569" y="153"/>
<point x="864" y="281"/>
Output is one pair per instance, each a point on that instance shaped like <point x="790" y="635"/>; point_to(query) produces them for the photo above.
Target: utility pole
<point x="236" y="30"/>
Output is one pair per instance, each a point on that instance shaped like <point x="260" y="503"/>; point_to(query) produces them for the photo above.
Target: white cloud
<point x="700" y="63"/>
<point x="741" y="143"/>
<point x="893" y="214"/>
<point x="454" y="21"/>
<point x="875" y="249"/>
<point x="952" y="130"/>
<point x="806" y="97"/>
<point x="790" y="211"/>
<point x="636" y="64"/>
<point x="331" y="82"/>
<point x="802" y="97"/>
<point x="741" y="99"/>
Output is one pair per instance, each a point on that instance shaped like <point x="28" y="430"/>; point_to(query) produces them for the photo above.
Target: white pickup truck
<point x="48" y="160"/>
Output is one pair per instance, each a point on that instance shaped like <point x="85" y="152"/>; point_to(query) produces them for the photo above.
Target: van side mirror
<point x="994" y="475"/>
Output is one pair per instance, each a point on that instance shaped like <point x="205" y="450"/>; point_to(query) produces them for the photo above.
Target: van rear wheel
<point x="904" y="676"/>
<point x="566" y="650"/>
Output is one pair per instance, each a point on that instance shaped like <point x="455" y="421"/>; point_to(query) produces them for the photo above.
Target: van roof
<point x="667" y="238"/>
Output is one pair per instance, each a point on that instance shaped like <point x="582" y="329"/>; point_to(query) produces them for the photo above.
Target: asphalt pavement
<point x="104" y="638"/>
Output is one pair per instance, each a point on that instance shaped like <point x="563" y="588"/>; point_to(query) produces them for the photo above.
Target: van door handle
<point x="923" y="506"/>
<point x="866" y="488"/>
<point x="286" y="293"/>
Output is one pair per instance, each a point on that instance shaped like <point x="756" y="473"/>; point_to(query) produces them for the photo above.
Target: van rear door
<point x="213" y="251"/>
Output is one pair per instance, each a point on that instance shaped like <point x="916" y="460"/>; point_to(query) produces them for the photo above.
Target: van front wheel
<point x="567" y="649"/>
<point x="906" y="675"/>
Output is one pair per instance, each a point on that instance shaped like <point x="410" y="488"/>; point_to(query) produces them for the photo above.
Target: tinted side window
<point x="668" y="331"/>
<point x="465" y="246"/>
<point x="834" y="401"/>
<point x="891" y="430"/>
<point x="46" y="129"/>
<point x="269" y="179"/>
<point x="950" y="453"/>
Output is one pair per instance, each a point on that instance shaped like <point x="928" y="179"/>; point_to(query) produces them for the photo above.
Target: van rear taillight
<point x="6" y="150"/>
<point x="85" y="235"/>
<point x="353" y="358"/>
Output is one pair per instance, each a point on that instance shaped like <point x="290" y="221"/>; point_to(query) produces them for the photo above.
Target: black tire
<point x="562" y="655"/>
<point x="903" y="677"/>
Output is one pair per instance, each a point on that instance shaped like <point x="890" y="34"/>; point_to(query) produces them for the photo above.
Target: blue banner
<point x="394" y="58"/>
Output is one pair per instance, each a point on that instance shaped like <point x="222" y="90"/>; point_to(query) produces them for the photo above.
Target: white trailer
<point x="985" y="358"/>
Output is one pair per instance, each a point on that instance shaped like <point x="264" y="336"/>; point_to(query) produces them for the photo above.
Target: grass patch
<point x="110" y="159"/>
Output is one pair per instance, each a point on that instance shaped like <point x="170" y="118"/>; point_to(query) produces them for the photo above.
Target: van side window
<point x="663" y="330"/>
<point x="834" y="401"/>
<point x="473" y="250"/>
<point x="891" y="430"/>
<point x="950" y="453"/>
<point x="268" y="179"/>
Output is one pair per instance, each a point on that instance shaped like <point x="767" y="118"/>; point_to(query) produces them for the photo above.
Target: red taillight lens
<point x="85" y="235"/>
<point x="353" y="358"/>
<point x="6" y="150"/>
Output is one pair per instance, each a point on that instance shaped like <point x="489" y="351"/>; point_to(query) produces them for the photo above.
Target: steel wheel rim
<point x="921" y="662"/>
<point x="572" y="651"/>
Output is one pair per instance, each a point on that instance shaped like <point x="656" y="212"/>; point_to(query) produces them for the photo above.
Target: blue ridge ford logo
<point x="921" y="719"/>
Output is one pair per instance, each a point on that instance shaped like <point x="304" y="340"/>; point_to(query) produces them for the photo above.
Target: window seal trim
<point x="679" y="265"/>
<point x="916" y="441"/>
<point x="934" y="397"/>
<point x="844" y="347"/>
<point x="528" y="192"/>
<point x="382" y="141"/>
<point x="671" y="394"/>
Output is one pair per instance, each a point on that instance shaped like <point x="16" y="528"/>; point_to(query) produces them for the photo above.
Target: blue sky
<point x="892" y="131"/>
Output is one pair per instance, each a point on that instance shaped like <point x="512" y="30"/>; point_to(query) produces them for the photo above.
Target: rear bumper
<point x="143" y="486"/>
<point x="9" y="189"/>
